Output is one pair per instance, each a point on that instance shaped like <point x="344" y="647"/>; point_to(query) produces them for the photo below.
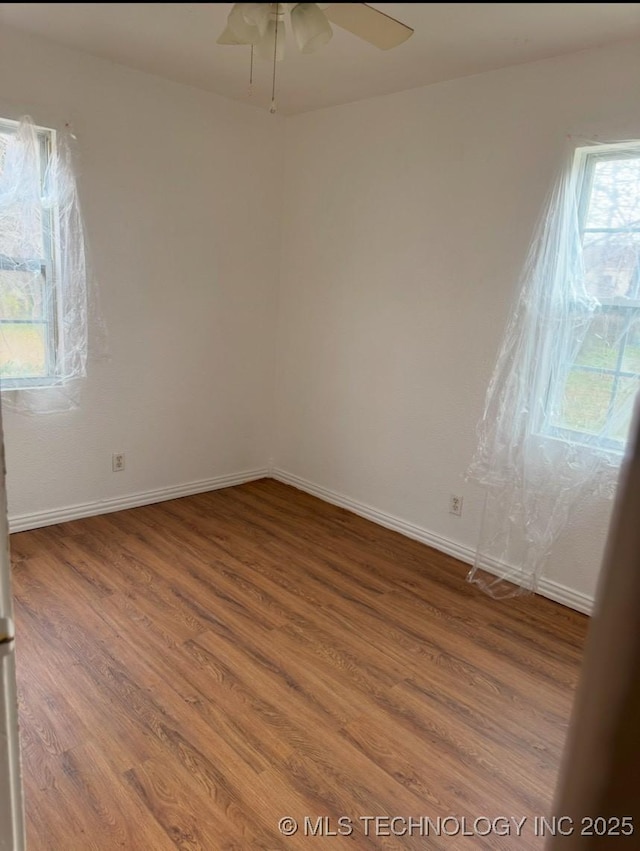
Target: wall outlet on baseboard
<point x="455" y="505"/>
<point x="117" y="462"/>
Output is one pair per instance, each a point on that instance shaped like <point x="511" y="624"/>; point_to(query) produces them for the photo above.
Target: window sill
<point x="7" y="384"/>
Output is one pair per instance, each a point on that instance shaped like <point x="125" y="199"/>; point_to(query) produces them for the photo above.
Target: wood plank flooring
<point x="194" y="671"/>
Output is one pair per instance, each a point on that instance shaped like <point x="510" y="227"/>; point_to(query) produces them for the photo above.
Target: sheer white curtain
<point x="47" y="302"/>
<point x="560" y="401"/>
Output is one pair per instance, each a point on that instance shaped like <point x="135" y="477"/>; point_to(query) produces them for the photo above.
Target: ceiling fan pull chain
<point x="273" y="107"/>
<point x="251" y="74"/>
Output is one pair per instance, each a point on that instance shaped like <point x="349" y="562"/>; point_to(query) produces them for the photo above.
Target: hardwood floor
<point x="194" y="671"/>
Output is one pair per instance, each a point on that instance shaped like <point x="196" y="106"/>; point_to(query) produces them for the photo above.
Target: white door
<point x="11" y="814"/>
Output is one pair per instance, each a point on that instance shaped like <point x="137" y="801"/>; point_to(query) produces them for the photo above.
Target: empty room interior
<point x="319" y="346"/>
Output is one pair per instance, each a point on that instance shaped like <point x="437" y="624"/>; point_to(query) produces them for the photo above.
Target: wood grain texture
<point x="191" y="672"/>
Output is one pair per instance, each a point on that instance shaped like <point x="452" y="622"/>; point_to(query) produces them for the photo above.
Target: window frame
<point x="48" y="265"/>
<point x="584" y="167"/>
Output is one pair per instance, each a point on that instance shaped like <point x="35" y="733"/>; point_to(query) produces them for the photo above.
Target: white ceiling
<point x="177" y="41"/>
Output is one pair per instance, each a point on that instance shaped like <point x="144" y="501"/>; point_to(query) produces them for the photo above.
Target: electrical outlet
<point x="117" y="462"/>
<point x="455" y="505"/>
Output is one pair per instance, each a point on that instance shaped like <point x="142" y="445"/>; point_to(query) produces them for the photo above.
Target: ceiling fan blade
<point x="369" y="24"/>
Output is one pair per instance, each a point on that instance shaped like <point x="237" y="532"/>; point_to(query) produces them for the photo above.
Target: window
<point x="592" y="400"/>
<point x="561" y="396"/>
<point x="28" y="316"/>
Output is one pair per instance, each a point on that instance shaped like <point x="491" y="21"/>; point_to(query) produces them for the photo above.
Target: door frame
<point x="12" y="830"/>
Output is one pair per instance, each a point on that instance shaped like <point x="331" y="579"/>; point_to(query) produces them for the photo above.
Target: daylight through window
<point x="28" y="315"/>
<point x="593" y="399"/>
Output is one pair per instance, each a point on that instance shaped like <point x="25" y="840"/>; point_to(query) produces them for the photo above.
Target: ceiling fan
<point x="310" y="24"/>
<point x="263" y="26"/>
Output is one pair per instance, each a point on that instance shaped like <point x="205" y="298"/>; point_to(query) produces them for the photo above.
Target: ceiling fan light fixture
<point x="227" y="37"/>
<point x="240" y="27"/>
<point x="267" y="47"/>
<point x="310" y="27"/>
<point x="247" y="23"/>
<point x="257" y="15"/>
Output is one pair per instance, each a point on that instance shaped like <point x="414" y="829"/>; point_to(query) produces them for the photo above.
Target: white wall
<point x="407" y="219"/>
<point x="179" y="189"/>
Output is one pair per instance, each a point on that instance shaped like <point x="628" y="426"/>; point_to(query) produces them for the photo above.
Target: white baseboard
<point x="546" y="587"/>
<point x="22" y="522"/>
